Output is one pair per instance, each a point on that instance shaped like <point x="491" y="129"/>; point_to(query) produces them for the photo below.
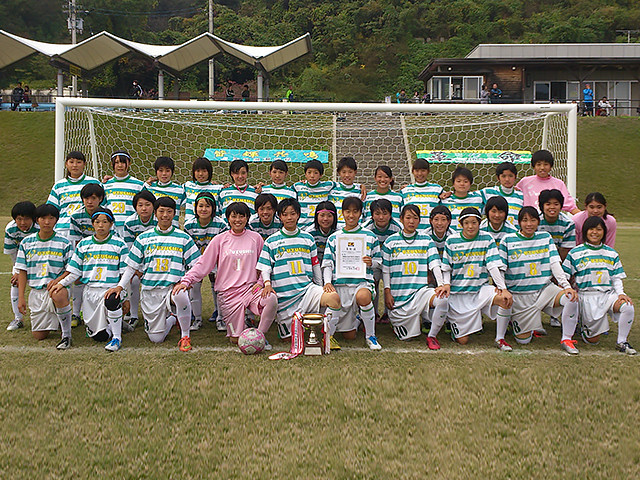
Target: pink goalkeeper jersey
<point x="532" y="186"/>
<point x="235" y="256"/>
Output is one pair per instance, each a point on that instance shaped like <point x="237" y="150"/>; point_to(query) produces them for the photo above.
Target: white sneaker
<point x="372" y="343"/>
<point x="15" y="324"/>
<point x="221" y="326"/>
<point x="267" y="346"/>
<point x="503" y="346"/>
<point x="113" y="346"/>
<point x="196" y="324"/>
<point x="64" y="344"/>
<point x="554" y="322"/>
<point x="624" y="347"/>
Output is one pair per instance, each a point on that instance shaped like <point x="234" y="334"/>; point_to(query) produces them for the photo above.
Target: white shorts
<point x="43" y="312"/>
<point x="527" y="308"/>
<point x="156" y="307"/>
<point x="594" y="308"/>
<point x="94" y="311"/>
<point x="405" y="320"/>
<point x="466" y="310"/>
<point x="308" y="303"/>
<point x="347" y="320"/>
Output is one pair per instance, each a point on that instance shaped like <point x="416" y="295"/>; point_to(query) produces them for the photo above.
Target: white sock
<point x="440" y="310"/>
<point x="76" y="291"/>
<point x="183" y="309"/>
<point x="368" y="315"/>
<point x="569" y="317"/>
<point x="333" y="320"/>
<point x="14" y="303"/>
<point x="64" y="317"/>
<point x="115" y="322"/>
<point x="196" y="300"/>
<point x="625" y="321"/>
<point x="134" y="297"/>
<point x="502" y="322"/>
<point x="170" y="321"/>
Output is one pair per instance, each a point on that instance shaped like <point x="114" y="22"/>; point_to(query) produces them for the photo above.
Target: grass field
<point x="463" y="412"/>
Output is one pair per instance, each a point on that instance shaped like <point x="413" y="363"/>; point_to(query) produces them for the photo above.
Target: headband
<point x="102" y="212"/>
<point x="120" y="154"/>
<point x="467" y="215"/>
<point x="325" y="210"/>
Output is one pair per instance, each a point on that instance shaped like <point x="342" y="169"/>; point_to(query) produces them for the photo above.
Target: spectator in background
<point x="16" y="96"/>
<point x="604" y="107"/>
<point x="401" y="96"/>
<point x="230" y="94"/>
<point x="246" y="94"/>
<point x="136" y="91"/>
<point x="484" y="94"/>
<point x="426" y="97"/>
<point x="587" y="98"/>
<point x="289" y="95"/>
<point x="26" y="97"/>
<point x="495" y="94"/>
<point x="416" y="97"/>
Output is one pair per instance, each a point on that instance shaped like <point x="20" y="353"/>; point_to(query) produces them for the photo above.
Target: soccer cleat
<point x="539" y="332"/>
<point x="267" y="346"/>
<point x="554" y="322"/>
<point x="433" y="343"/>
<point x="15" y="324"/>
<point x="126" y="327"/>
<point x="503" y="346"/>
<point x="570" y="346"/>
<point x="426" y="327"/>
<point x="447" y="327"/>
<point x="624" y="347"/>
<point x="214" y="316"/>
<point x="372" y="343"/>
<point x="133" y="321"/>
<point x="64" y="344"/>
<point x="113" y="346"/>
<point x="75" y="321"/>
<point x="221" y="326"/>
<point x="196" y="324"/>
<point x="184" y="345"/>
<point x="333" y="343"/>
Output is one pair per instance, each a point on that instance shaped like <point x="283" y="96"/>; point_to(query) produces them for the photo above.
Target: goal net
<point x="478" y="136"/>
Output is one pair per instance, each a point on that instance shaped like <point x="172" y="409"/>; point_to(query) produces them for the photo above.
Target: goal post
<point x="373" y="133"/>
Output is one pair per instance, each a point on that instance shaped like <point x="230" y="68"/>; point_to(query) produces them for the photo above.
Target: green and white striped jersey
<point x="119" y="193"/>
<point x="280" y="191"/>
<point x="563" y="230"/>
<point x="192" y="189"/>
<point x="528" y="261"/>
<point x="408" y="260"/>
<point x="43" y="260"/>
<point x="456" y="204"/>
<point x="382" y="235"/>
<point x="172" y="190"/>
<point x="13" y="236"/>
<point x="203" y="235"/>
<point x="593" y="267"/>
<point x="289" y="260"/>
<point x="515" y="200"/>
<point x="309" y="197"/>
<point x="497" y="235"/>
<point x="65" y="195"/>
<point x="80" y="226"/>
<point x="265" y="231"/>
<point x="99" y="263"/>
<point x="469" y="261"/>
<point x="372" y="249"/>
<point x="439" y="242"/>
<point x="133" y="227"/>
<point x="425" y="196"/>
<point x="320" y="238"/>
<point x="233" y="194"/>
<point x="339" y="192"/>
<point x="163" y="258"/>
<point x="394" y="197"/>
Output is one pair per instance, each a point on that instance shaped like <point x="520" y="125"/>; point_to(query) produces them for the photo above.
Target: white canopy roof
<point x="105" y="47"/>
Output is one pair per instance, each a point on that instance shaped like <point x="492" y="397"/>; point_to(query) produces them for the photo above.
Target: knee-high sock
<point x="625" y="321"/>
<point x="183" y="309"/>
<point x="269" y="307"/>
<point x="368" y="315"/>
<point x="115" y="322"/>
<point x="502" y="322"/>
<point x="64" y="317"/>
<point x="333" y="320"/>
<point x="14" y="303"/>
<point x="134" y="298"/>
<point x="440" y="309"/>
<point x="76" y="290"/>
<point x="569" y="317"/>
<point x="196" y="300"/>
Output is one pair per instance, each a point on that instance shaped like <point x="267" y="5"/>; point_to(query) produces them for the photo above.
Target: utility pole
<point x="628" y="32"/>
<point x="74" y="24"/>
<point x="212" y="84"/>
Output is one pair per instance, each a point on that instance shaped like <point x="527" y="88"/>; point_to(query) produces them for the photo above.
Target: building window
<point x="550" y="92"/>
<point x="454" y="88"/>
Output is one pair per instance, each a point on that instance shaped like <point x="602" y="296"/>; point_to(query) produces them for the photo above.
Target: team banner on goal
<point x="475" y="156"/>
<point x="297" y="156"/>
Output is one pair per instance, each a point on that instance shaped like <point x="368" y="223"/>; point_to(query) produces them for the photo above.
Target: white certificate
<point x="349" y="252"/>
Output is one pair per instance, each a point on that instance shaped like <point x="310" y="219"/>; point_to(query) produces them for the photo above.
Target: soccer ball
<point x="251" y="341"/>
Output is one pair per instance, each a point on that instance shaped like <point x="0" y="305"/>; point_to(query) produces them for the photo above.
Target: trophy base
<point x="313" y="350"/>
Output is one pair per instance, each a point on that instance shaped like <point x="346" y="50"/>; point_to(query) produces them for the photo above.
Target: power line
<point x="157" y="13"/>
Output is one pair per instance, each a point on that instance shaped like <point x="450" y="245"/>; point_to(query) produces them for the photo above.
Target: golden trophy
<point x="313" y="323"/>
